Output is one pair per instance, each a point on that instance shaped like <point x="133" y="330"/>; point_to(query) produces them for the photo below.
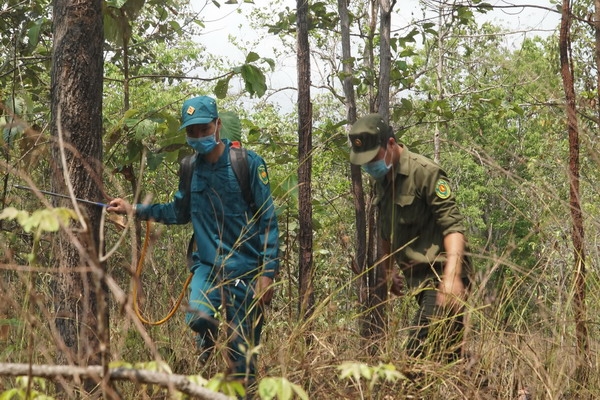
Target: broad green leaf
<point x="254" y="79"/>
<point x="221" y="88"/>
<point x="232" y="127"/>
<point x="144" y="129"/>
<point x="251" y="57"/>
<point x="154" y="160"/>
<point x="271" y="62"/>
<point x="134" y="151"/>
<point x="34" y="32"/>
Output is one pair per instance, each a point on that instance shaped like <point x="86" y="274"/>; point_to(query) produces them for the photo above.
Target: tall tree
<point x="377" y="274"/>
<point x="77" y="72"/>
<point x="305" y="269"/>
<point x="363" y="258"/>
<point x="577" y="233"/>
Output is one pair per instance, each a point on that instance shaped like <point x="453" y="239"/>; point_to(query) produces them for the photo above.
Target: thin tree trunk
<point x="81" y="317"/>
<point x="597" y="54"/>
<point x="305" y="163"/>
<point x="377" y="285"/>
<point x="385" y="59"/>
<point x="579" y="270"/>
<point x="438" y="80"/>
<point x="360" y="260"/>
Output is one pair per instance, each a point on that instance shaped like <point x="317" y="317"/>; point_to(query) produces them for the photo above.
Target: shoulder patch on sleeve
<point x="442" y="189"/>
<point x="262" y="174"/>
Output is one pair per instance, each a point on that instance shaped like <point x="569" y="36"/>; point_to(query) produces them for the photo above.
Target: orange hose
<point x="137" y="281"/>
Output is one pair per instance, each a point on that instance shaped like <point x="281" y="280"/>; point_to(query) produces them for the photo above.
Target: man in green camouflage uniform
<point x="421" y="229"/>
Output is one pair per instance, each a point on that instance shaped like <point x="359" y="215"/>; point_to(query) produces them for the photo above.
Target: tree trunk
<point x="377" y="285"/>
<point x="305" y="163"/>
<point x="81" y="317"/>
<point x="360" y="259"/>
<point x="597" y="54"/>
<point x="385" y="59"/>
<point x="438" y="80"/>
<point x="579" y="269"/>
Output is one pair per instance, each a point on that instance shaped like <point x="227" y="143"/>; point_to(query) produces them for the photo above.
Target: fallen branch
<point x="179" y="382"/>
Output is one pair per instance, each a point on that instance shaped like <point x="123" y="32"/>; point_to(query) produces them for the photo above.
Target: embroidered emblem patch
<point x="442" y="189"/>
<point x="262" y="174"/>
<point x="190" y="110"/>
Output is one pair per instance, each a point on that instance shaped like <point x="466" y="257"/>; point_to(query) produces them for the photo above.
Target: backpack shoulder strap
<point x="239" y="164"/>
<point x="186" y="168"/>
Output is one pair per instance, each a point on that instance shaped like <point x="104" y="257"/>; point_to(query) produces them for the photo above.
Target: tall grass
<point x="520" y="340"/>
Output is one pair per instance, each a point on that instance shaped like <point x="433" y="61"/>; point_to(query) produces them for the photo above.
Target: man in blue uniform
<point x="237" y="243"/>
<point x="421" y="230"/>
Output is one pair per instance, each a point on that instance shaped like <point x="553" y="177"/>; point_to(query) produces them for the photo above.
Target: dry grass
<point x="521" y="342"/>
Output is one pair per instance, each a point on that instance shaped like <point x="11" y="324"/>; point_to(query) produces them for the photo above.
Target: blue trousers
<point x="244" y="318"/>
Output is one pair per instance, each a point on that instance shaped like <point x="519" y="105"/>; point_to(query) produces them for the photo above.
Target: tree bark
<point x="305" y="163"/>
<point x="376" y="276"/>
<point x="360" y="260"/>
<point x="577" y="237"/>
<point x="81" y="313"/>
<point x="597" y="53"/>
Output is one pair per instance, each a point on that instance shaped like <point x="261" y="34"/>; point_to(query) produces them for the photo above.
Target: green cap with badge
<point x="366" y="136"/>
<point x="198" y="110"/>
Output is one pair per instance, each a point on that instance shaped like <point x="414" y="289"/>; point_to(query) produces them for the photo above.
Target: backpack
<point x="239" y="163"/>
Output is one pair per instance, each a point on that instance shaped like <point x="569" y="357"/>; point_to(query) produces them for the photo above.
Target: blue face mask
<point x="377" y="169"/>
<point x="203" y="145"/>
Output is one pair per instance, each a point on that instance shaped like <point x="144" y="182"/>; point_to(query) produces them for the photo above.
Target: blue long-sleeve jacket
<point x="228" y="234"/>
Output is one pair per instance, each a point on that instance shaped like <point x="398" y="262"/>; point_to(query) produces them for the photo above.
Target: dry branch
<point x="179" y="382"/>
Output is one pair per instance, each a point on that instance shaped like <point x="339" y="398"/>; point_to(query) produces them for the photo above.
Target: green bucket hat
<point x="365" y="138"/>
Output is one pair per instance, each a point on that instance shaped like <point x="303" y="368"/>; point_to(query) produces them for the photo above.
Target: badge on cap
<point x="442" y="189"/>
<point x="262" y="174"/>
<point x="190" y="110"/>
<point x="358" y="142"/>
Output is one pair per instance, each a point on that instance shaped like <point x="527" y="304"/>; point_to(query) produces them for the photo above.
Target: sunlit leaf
<point x="12" y="213"/>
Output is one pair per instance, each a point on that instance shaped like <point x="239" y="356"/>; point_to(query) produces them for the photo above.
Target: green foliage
<point x="25" y="49"/>
<point x="40" y="220"/>
<point x="280" y="389"/>
<point x="232" y="126"/>
<point x="26" y="391"/>
<point x="230" y="387"/>
<point x="358" y="372"/>
<point x="321" y="16"/>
